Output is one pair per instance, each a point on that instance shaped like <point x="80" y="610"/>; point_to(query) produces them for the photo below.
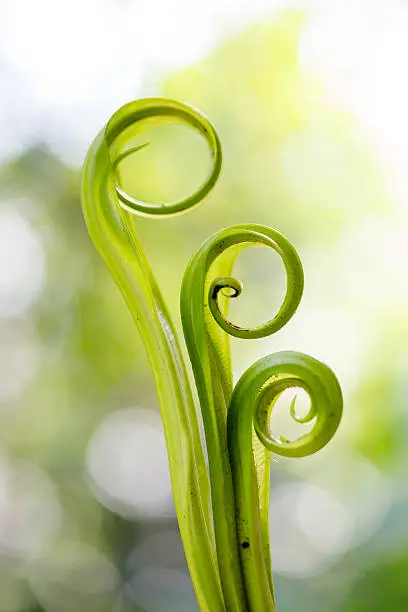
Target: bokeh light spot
<point x="127" y="463"/>
<point x="22" y="265"/>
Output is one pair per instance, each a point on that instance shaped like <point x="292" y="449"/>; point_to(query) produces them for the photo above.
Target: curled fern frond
<point x="223" y="510"/>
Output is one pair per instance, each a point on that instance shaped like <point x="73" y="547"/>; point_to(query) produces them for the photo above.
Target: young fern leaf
<point x="223" y="512"/>
<point x="110" y="226"/>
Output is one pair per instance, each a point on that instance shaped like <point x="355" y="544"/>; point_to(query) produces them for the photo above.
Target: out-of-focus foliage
<point x="86" y="517"/>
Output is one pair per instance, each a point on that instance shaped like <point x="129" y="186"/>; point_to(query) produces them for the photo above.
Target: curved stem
<point x="116" y="241"/>
<point x="209" y="356"/>
<point x="224" y="514"/>
<point x="252" y="401"/>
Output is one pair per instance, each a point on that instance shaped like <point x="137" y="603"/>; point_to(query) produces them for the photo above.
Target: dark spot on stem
<point x="245" y="544"/>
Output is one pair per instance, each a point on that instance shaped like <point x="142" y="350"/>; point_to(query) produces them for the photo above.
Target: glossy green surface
<point x="223" y="511"/>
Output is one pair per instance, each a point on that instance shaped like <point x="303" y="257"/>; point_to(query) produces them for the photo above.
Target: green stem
<point x="252" y="402"/>
<point x="204" y="331"/>
<point x="111" y="229"/>
<point x="224" y="514"/>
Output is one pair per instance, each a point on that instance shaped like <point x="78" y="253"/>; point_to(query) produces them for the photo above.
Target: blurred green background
<point x="309" y="99"/>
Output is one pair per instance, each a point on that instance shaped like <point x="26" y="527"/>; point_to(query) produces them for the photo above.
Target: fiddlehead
<point x="137" y="117"/>
<point x="227" y="550"/>
<point x="108" y="214"/>
<point x="251" y="404"/>
<point x="242" y="237"/>
<point x="207" y="282"/>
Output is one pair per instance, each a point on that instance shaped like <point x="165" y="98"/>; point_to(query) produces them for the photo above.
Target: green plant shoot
<point x="222" y="510"/>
